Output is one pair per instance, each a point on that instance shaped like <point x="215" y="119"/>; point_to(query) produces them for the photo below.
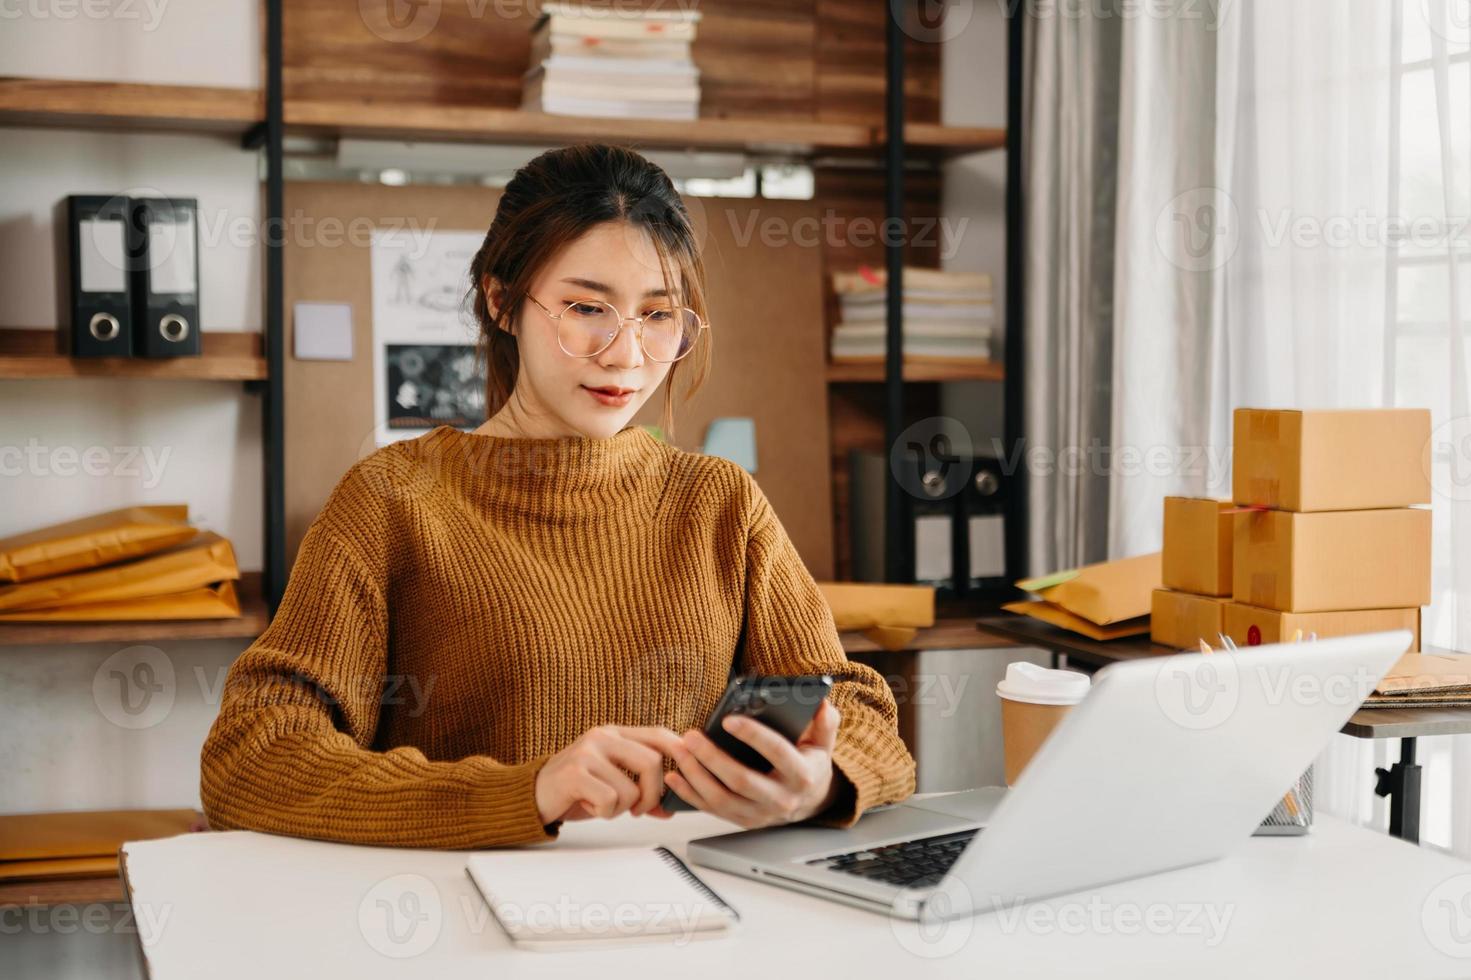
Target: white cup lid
<point x="1040" y="685"/>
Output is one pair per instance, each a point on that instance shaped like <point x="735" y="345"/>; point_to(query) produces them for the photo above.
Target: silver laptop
<point x="1168" y="762"/>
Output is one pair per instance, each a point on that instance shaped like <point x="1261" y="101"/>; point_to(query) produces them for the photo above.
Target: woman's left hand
<point x="802" y="781"/>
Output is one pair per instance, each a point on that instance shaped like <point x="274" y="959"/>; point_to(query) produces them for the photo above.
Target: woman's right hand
<point x="587" y="778"/>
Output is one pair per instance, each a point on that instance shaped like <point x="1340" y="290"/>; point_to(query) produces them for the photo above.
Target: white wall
<point x="63" y="742"/>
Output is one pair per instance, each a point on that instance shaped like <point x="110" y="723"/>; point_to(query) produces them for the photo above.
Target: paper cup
<point x="1033" y="701"/>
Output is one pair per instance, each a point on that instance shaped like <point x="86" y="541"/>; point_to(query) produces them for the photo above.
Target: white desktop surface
<point x="1341" y="902"/>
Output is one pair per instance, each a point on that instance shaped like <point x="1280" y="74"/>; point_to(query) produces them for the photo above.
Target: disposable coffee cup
<point x="1033" y="700"/>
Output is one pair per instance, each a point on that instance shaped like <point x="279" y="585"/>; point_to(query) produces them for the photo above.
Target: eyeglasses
<point x="587" y="327"/>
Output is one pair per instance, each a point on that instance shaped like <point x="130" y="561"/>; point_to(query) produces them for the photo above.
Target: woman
<point x="488" y="633"/>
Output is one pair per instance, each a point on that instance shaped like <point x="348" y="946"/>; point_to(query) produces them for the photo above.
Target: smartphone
<point x="787" y="704"/>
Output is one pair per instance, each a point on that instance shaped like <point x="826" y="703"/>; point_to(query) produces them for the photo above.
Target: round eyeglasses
<point x="587" y="327"/>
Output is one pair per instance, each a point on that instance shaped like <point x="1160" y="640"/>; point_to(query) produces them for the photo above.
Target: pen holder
<point x="1293" y="814"/>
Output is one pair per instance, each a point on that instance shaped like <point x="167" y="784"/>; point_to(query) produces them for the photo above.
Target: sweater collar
<point x="547" y="474"/>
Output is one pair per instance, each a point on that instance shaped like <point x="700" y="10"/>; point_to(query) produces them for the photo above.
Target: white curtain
<point x="1294" y="194"/>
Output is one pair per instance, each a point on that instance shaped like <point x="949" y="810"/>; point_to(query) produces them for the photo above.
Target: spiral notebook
<point x="586" y="899"/>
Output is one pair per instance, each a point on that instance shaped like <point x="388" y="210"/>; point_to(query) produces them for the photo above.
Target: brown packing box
<point x="1356" y="559"/>
<point x="1197" y="546"/>
<point x="1253" y="625"/>
<point x="1353" y="459"/>
<point x="1181" y="619"/>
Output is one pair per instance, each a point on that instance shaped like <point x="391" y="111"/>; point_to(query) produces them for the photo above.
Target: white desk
<point x="1341" y="902"/>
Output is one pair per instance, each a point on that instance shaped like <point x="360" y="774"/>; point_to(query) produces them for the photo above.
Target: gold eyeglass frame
<point x="638" y="331"/>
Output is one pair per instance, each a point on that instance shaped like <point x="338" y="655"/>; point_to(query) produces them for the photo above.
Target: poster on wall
<point x="424" y="371"/>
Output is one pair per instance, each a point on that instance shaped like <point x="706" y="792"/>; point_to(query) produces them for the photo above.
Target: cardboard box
<point x="1253" y="625"/>
<point x="1181" y="619"/>
<point x="1353" y="459"/>
<point x="1350" y="559"/>
<point x="1197" y="552"/>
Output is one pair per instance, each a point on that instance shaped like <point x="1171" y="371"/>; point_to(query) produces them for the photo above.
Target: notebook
<point x="588" y="899"/>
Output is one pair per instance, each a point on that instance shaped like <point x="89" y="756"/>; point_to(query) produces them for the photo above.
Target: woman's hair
<point x="549" y="203"/>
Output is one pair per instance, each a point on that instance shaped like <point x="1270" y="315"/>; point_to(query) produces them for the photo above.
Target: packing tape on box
<point x="1264" y="589"/>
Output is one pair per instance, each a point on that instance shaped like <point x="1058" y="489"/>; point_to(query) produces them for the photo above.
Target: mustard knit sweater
<point x="465" y="606"/>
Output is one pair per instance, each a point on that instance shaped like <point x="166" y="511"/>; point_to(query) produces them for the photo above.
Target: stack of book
<point x="135" y="563"/>
<point x="949" y="317"/>
<point x="607" y="61"/>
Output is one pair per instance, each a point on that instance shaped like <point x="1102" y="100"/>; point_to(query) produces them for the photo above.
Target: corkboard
<point x="765" y="298"/>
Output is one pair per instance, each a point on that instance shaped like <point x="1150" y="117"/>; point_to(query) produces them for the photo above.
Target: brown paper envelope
<point x="93" y="541"/>
<point x="204" y="559"/>
<point x="892" y="638"/>
<point x="87" y="833"/>
<point x="863" y="606"/>
<point x="1057" y="616"/>
<point x="212" y="602"/>
<point x="1424" y="672"/>
<point x="52" y="869"/>
<point x="1111" y="591"/>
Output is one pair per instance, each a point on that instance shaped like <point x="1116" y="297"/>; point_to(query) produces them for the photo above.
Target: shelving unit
<point x="34" y="354"/>
<point x="261" y="120"/>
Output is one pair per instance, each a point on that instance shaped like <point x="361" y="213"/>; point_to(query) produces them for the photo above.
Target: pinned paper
<point x="733" y="439"/>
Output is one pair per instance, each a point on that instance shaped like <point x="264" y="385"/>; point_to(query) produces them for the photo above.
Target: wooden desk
<point x="1400" y="782"/>
<point x="1340" y="902"/>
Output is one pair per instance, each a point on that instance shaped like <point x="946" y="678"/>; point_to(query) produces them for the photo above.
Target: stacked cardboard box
<point x="1326" y="537"/>
<point x="1196" y="572"/>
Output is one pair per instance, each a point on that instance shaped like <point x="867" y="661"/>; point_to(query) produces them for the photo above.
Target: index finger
<point x="653" y="736"/>
<point x="766" y="740"/>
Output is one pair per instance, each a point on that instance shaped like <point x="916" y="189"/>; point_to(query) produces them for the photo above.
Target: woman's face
<point x="558" y="394"/>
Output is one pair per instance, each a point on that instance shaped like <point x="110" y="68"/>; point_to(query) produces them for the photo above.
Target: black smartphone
<point x="787" y="704"/>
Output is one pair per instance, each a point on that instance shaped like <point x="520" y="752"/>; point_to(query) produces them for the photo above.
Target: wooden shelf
<point x="936" y="140"/>
<point x="960" y="633"/>
<point x="873" y="372"/>
<point x="197" y="108"/>
<point x="64" y="891"/>
<point x="126" y="106"/>
<point x="252" y="621"/>
<point x="473" y="124"/>
<point x="33" y="354"/>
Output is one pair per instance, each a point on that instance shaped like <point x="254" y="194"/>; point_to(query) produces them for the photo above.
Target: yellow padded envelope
<point x="218" y="601"/>
<point x="201" y="561"/>
<point x="93" y="541"/>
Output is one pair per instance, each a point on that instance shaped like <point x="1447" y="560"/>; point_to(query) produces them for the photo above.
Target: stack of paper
<point x="129" y="564"/>
<point x="608" y="61"/>
<point x="948" y="317"/>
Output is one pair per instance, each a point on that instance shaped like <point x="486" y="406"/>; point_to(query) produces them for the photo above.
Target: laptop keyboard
<point x="910" y="864"/>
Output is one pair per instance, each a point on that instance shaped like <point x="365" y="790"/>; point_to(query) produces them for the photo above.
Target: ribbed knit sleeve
<point x="290" y="750"/>
<point x="789" y="630"/>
